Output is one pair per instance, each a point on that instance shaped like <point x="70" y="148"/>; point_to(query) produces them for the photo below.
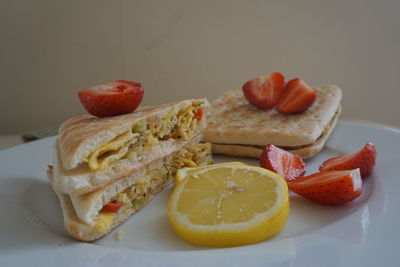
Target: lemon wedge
<point x="228" y="204"/>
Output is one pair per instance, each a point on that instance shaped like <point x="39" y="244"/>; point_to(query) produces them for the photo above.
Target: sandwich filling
<point x="134" y="197"/>
<point x="174" y="125"/>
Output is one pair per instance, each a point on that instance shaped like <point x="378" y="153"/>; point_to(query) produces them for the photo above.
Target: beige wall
<point x="179" y="49"/>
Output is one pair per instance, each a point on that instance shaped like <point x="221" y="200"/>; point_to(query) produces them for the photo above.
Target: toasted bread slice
<point x="255" y="151"/>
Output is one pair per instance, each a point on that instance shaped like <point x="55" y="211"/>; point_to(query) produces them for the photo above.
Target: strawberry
<point x="264" y="92"/>
<point x="331" y="188"/>
<point x="110" y="99"/>
<point x="284" y="163"/>
<point x="364" y="159"/>
<point x="296" y="97"/>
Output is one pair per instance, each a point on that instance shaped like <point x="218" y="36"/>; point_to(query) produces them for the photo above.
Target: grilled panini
<point x="237" y="128"/>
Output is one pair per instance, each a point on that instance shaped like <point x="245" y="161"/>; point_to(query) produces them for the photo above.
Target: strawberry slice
<point x="286" y="164"/>
<point x="264" y="92"/>
<point x="111" y="99"/>
<point x="330" y="188"/>
<point x="296" y="97"/>
<point x="364" y="159"/>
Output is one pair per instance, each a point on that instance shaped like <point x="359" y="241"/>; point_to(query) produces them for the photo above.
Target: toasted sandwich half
<point x="237" y="128"/>
<point x="95" y="196"/>
<point x="93" y="152"/>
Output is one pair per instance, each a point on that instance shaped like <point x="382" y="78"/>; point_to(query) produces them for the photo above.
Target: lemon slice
<point x="228" y="204"/>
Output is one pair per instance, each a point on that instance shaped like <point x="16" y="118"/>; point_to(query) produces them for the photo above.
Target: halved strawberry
<point x="110" y="99"/>
<point x="296" y="97"/>
<point x="364" y="159"/>
<point x="264" y="92"/>
<point x="286" y="164"/>
<point x="331" y="188"/>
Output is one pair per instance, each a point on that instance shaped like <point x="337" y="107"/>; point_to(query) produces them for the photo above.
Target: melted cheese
<point x="104" y="221"/>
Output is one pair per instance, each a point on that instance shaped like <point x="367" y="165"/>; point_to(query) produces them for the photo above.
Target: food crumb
<point x="119" y="234"/>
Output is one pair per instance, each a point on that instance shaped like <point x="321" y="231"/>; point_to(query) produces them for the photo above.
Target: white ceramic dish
<point x="362" y="233"/>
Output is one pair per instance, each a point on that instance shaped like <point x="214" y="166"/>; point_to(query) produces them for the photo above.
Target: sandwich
<point x="106" y="169"/>
<point x="237" y="128"/>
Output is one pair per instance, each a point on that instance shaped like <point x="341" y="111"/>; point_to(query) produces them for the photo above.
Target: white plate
<point x="362" y="233"/>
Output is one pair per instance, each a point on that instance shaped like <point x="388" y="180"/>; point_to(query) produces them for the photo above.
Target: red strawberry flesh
<point x="111" y="99"/>
<point x="264" y="92"/>
<point x="364" y="159"/>
<point x="296" y="97"/>
<point x="286" y="164"/>
<point x="330" y="188"/>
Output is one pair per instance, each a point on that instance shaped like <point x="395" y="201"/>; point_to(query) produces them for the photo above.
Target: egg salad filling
<point x="140" y="193"/>
<point x="177" y="125"/>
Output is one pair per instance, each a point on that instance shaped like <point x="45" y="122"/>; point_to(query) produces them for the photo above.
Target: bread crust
<point x="233" y="120"/>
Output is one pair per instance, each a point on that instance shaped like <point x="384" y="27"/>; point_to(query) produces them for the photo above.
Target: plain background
<point x="180" y="49"/>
